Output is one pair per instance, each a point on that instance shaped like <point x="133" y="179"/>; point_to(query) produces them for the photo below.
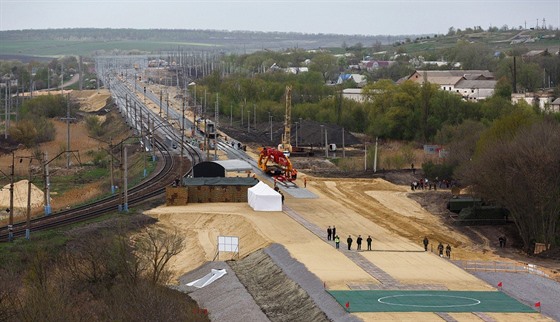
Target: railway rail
<point x="150" y="187"/>
<point x="153" y="186"/>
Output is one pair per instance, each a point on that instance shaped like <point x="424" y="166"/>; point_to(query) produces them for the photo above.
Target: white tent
<point x="261" y="197"/>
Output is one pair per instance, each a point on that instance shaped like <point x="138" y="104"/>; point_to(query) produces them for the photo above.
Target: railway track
<point x="153" y="186"/>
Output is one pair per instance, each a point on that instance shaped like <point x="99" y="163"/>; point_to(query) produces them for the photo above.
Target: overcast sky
<point x="365" y="17"/>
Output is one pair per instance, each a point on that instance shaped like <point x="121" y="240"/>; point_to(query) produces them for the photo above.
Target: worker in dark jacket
<point x="349" y="242"/>
<point x="359" y="242"/>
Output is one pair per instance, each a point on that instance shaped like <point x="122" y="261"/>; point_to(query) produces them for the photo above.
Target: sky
<point x="347" y="17"/>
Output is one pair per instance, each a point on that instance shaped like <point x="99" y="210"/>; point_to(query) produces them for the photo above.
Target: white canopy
<point x="261" y="197"/>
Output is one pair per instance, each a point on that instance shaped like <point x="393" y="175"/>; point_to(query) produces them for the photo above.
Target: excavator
<point x="275" y="163"/>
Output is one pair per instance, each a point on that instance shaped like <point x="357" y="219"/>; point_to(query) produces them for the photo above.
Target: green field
<point x="57" y="48"/>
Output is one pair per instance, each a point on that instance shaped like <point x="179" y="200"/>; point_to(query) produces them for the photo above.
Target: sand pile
<point x="20" y="197"/>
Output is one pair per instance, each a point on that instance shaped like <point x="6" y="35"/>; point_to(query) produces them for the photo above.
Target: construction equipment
<point x="286" y="146"/>
<point x="275" y="163"/>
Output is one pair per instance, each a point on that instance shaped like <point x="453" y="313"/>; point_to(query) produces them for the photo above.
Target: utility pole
<point x="7" y="116"/>
<point x="365" y="156"/>
<point x="111" y="166"/>
<point x="206" y="139"/>
<point x="46" y="194"/>
<point x="217" y="110"/>
<point x="11" y="219"/>
<point x="375" y="157"/>
<point x="28" y="209"/>
<point x="137" y="110"/>
<point x="326" y="144"/>
<point x="125" y="180"/>
<point x="343" y="150"/>
<point x="270" y="121"/>
<point x="167" y="104"/>
<point x="182" y="141"/>
<point x="62" y="75"/>
<point x="28" y="212"/>
<point x="242" y="115"/>
<point x="67" y="119"/>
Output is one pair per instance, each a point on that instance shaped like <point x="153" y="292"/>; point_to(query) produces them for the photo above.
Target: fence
<point x="492" y="266"/>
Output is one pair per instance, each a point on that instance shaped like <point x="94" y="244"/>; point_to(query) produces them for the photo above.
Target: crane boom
<point x="286" y="146"/>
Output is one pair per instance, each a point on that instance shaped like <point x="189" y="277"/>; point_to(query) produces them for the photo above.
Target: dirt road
<point x="367" y="207"/>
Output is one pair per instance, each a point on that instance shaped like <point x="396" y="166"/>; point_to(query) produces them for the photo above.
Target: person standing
<point x="440" y="249"/>
<point x="359" y="242"/>
<point x="329" y="233"/>
<point x="368" y="240"/>
<point x="334" y="230"/>
<point x="337" y="241"/>
<point x="448" y="251"/>
<point x="426" y="242"/>
<point x="349" y="242"/>
<point x="305" y="182"/>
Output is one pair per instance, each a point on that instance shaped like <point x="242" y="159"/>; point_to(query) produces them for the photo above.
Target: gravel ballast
<point x="226" y="299"/>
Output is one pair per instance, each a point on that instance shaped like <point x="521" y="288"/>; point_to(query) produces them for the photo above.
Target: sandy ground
<point x="367" y="207"/>
<point x="90" y="101"/>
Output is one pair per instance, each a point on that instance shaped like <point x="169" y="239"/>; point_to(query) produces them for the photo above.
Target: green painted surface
<point x="428" y="301"/>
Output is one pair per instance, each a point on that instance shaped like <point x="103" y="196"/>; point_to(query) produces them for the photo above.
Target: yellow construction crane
<point x="285" y="146"/>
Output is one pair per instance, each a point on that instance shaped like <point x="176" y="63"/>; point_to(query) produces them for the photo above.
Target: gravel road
<point x="528" y="289"/>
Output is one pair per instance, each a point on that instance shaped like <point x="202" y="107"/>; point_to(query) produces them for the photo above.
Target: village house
<point x="354" y="94"/>
<point x="470" y="84"/>
<point x="372" y="65"/>
<point x="555" y="105"/>
<point x="544" y="100"/>
<point x="360" y="80"/>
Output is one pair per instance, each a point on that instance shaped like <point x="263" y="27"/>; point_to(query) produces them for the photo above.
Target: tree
<point x="460" y="140"/>
<point x="451" y="31"/>
<point x="522" y="173"/>
<point x="326" y="64"/>
<point x="155" y="247"/>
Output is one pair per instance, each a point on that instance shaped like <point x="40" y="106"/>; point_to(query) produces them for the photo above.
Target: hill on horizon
<point x="89" y="41"/>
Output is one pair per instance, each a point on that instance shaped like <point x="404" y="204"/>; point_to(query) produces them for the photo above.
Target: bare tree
<point x="155" y="247"/>
<point x="523" y="175"/>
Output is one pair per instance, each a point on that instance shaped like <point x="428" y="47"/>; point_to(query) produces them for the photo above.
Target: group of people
<point x="424" y="183"/>
<point x="331" y="235"/>
<point x="359" y="240"/>
<point x="440" y="247"/>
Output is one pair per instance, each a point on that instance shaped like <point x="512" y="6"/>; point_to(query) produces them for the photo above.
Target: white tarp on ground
<point x="208" y="278"/>
<point x="261" y="197"/>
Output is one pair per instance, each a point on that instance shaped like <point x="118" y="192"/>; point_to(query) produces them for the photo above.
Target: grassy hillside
<point x="60" y="42"/>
